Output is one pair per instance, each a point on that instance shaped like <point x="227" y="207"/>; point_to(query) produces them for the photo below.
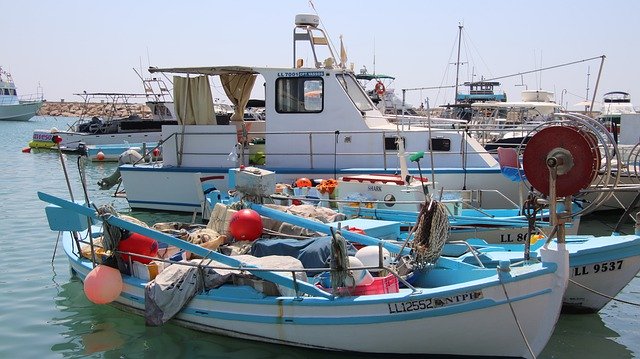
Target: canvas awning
<point x="210" y="71"/>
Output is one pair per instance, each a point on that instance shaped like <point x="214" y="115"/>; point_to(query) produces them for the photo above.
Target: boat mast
<point x="458" y="61"/>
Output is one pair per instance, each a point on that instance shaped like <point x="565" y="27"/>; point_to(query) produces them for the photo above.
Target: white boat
<point x="112" y="152"/>
<point x="319" y="123"/>
<point x="107" y="128"/>
<point x="517" y="306"/>
<point x="13" y="107"/>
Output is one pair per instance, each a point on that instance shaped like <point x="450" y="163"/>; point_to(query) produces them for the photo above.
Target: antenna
<point x="588" y="74"/>
<point x="374" y="54"/>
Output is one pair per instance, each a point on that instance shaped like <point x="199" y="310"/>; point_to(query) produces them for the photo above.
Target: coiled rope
<point x="431" y="232"/>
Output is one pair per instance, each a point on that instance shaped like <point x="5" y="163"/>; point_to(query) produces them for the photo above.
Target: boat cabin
<point x="8" y="93"/>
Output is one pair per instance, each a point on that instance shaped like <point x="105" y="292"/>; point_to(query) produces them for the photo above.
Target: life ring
<point x="380" y="88"/>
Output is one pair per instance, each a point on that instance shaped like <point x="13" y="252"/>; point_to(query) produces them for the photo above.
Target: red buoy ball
<point x="100" y="156"/>
<point x="303" y="182"/>
<point x="246" y="225"/>
<point x="138" y="244"/>
<point x="156" y="152"/>
<point x="103" y="284"/>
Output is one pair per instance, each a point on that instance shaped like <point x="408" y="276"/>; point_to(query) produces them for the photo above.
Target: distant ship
<point x="13" y="108"/>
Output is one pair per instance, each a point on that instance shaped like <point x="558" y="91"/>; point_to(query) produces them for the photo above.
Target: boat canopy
<point x="210" y="71"/>
<point x="370" y="77"/>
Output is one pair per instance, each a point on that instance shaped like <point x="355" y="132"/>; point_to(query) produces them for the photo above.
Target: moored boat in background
<point x="12" y="106"/>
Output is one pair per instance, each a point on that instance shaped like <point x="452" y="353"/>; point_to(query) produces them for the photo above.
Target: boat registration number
<point x="301" y="74"/>
<point x="42" y="136"/>
<point x="432" y="303"/>
<point x="598" y="268"/>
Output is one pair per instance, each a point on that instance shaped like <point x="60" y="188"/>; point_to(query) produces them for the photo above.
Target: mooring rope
<point x="515" y="317"/>
<point x="602" y="294"/>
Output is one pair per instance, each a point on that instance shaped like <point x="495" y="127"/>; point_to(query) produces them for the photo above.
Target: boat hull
<point x="599" y="268"/>
<point x="169" y="188"/>
<point x="22" y="111"/>
<point x="399" y="323"/>
<point x="72" y="140"/>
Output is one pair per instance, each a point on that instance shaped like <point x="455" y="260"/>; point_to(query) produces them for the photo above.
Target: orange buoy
<point x="246" y="225"/>
<point x="103" y="284"/>
<point x="303" y="182"/>
<point x="100" y="156"/>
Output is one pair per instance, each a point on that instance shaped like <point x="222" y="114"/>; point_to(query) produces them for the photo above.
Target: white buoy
<point x="370" y="257"/>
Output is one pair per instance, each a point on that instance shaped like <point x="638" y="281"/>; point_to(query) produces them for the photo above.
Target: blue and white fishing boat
<point x="12" y="107"/>
<point x="517" y="304"/>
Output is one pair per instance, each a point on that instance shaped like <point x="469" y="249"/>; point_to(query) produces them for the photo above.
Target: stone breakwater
<point x="81" y="109"/>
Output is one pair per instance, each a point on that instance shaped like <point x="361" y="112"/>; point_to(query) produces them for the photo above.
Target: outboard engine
<point x="127" y="157"/>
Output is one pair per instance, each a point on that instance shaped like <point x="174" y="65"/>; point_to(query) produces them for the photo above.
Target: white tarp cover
<point x="193" y="100"/>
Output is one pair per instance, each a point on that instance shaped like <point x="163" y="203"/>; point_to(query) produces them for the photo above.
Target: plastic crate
<point x="380" y="285"/>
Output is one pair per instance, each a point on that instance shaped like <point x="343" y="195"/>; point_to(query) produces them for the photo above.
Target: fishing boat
<point x="418" y="319"/>
<point x="13" y="107"/>
<point x="108" y="126"/>
<point x="319" y="123"/>
<point x="112" y="152"/>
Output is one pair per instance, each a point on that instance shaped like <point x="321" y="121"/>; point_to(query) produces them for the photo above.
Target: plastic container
<point x="380" y="285"/>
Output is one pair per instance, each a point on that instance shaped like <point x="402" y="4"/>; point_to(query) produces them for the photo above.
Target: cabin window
<point x="299" y="94"/>
<point x="13" y="92"/>
<point x="440" y="144"/>
<point x="355" y="92"/>
<point x="391" y="143"/>
<point x="6" y="91"/>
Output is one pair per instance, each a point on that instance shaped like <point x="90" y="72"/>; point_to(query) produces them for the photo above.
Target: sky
<point x="65" y="47"/>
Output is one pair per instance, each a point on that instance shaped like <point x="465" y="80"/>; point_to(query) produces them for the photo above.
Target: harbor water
<point x="45" y="313"/>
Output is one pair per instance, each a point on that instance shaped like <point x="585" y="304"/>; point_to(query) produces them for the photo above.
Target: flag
<point x="343" y="54"/>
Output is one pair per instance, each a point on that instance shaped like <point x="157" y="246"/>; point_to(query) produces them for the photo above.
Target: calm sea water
<point x="44" y="313"/>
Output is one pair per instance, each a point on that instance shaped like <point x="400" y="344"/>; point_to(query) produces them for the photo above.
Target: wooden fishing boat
<point x="518" y="304"/>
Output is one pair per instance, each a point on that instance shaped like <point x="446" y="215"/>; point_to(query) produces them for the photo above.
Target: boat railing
<point x="35" y="97"/>
<point x="206" y="262"/>
<point x="386" y="151"/>
<point x="22" y="99"/>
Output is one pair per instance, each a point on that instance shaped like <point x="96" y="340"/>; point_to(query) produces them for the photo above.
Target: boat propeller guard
<point x="572" y="151"/>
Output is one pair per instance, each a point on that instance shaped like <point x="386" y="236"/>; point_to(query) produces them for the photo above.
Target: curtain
<point x="238" y="88"/>
<point x="193" y="100"/>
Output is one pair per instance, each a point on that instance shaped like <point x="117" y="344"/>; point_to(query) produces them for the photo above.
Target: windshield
<point x="355" y="92"/>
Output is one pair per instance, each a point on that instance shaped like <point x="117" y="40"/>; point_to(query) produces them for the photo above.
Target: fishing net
<point x="111" y="237"/>
<point x="339" y="261"/>
<point x="431" y="232"/>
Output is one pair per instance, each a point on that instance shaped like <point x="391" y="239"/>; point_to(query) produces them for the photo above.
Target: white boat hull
<point x="180" y="188"/>
<point x="23" y="111"/>
<point x="402" y="323"/>
<point x="71" y="140"/>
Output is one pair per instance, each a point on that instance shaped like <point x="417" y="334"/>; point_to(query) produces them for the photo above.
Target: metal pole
<point x="458" y="62"/>
<point x="595" y="90"/>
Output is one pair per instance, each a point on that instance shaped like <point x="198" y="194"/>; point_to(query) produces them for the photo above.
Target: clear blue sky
<point x="70" y="46"/>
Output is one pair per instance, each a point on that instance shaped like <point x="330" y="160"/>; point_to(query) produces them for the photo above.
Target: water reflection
<point x="584" y="336"/>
